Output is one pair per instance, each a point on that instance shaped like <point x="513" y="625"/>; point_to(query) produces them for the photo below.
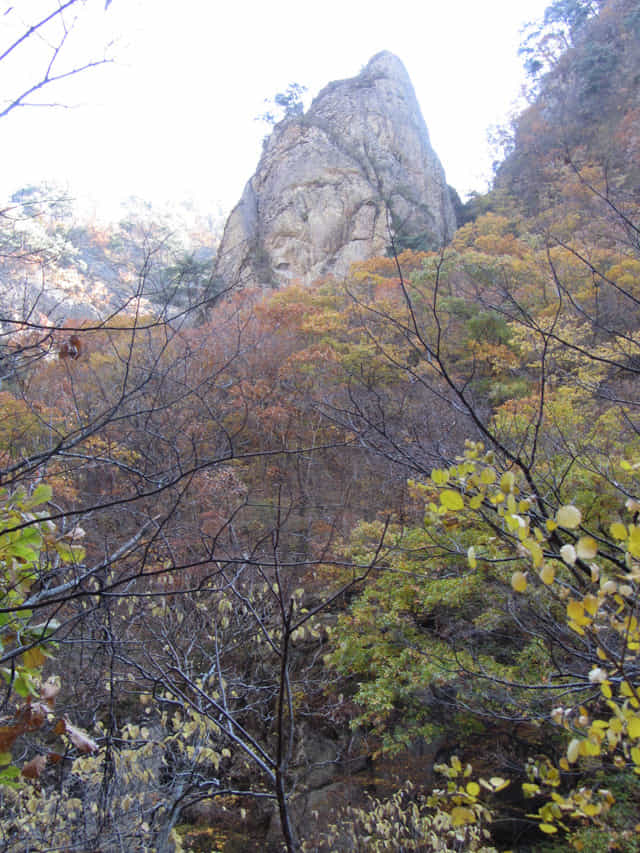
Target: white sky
<point x="175" y="117"/>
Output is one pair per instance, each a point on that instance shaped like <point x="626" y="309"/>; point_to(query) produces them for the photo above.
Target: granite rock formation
<point x="332" y="182"/>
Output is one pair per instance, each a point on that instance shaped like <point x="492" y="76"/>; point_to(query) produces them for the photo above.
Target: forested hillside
<point x="347" y="566"/>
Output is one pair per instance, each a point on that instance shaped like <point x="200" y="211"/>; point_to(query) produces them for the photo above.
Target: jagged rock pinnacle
<point x="333" y="184"/>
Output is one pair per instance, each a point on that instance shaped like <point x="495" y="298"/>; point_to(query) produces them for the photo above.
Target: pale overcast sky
<point x="175" y="117"/>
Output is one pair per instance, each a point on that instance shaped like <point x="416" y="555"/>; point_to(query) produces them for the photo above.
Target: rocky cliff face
<point x="332" y="182"/>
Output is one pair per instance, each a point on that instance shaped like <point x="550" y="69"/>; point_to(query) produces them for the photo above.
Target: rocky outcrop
<point x="334" y="183"/>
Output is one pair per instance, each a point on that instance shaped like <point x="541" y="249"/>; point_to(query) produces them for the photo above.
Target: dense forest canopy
<point x="352" y="566"/>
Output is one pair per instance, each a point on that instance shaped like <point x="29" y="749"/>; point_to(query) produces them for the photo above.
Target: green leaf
<point x="40" y="495"/>
<point x="22" y="552"/>
<point x="24" y="685"/>
<point x="8" y="773"/>
<point x="31" y="536"/>
<point x="70" y="553"/>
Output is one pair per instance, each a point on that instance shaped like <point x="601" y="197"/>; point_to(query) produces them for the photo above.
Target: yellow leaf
<point x="615" y="723"/>
<point x="633" y="728"/>
<point x="451" y="500"/>
<point x="587" y="548"/>
<point x="591" y="604"/>
<point x="519" y="581"/>
<point x="473" y="789"/>
<point x="513" y="522"/>
<point x="548" y="828"/>
<point x="461" y="816"/>
<point x="568" y="554"/>
<point x="569" y="517"/>
<point x="34" y="658"/>
<point x="590" y="748"/>
<point x="575" y="610"/>
<point x="573" y="751"/>
<point x="471" y="557"/>
<point x="634" y="541"/>
<point x="618" y="530"/>
<point x="576" y="614"/>
<point x="507" y="481"/>
<point x="536" y="552"/>
<point x="488" y="476"/>
<point x="547" y="574"/>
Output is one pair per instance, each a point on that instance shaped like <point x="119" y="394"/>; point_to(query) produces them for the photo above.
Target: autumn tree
<point x="405" y="503"/>
<point x="524" y="330"/>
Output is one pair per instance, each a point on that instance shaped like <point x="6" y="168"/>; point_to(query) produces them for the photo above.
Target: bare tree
<point x="39" y="51"/>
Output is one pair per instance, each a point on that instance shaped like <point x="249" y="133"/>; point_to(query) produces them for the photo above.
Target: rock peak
<point x="388" y="63"/>
<point x="332" y="183"/>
